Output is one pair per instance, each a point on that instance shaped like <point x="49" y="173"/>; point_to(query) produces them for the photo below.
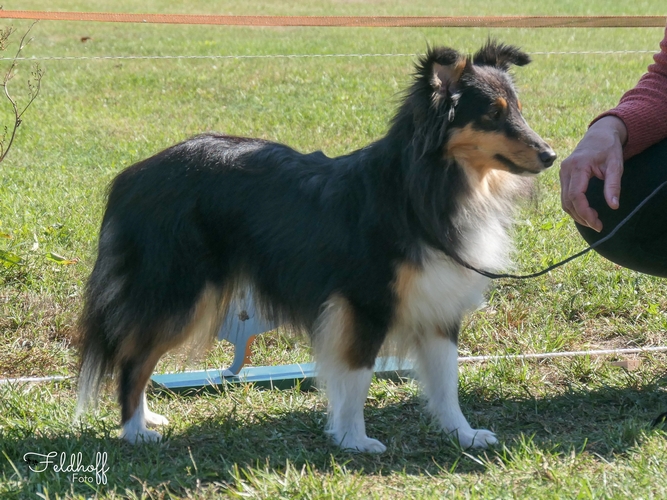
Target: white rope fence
<point x="570" y="354"/>
<point x="296" y="56"/>
<point x="463" y="359"/>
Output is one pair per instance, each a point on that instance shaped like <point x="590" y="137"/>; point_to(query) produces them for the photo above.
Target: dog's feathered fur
<point x="355" y="250"/>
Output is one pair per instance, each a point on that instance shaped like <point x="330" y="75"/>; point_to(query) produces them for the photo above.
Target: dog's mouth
<point x="511" y="166"/>
<point x="517" y="169"/>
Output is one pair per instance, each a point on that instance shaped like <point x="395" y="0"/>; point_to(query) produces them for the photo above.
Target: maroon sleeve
<point x="643" y="109"/>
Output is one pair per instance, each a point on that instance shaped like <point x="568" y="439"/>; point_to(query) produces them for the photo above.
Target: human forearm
<point x="643" y="109"/>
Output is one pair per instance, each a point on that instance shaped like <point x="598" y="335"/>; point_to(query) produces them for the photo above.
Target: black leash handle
<point x="494" y="276"/>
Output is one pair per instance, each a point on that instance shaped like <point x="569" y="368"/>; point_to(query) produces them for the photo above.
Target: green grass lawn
<point x="569" y="428"/>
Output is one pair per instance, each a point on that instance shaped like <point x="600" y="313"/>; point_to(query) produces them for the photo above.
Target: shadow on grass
<point x="607" y="421"/>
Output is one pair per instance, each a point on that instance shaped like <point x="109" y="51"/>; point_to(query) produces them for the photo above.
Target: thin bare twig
<point x="34" y="86"/>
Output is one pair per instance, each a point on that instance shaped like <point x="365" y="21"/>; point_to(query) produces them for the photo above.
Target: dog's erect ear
<point x="500" y="55"/>
<point x="445" y="79"/>
<point x="434" y="96"/>
<point x="443" y="67"/>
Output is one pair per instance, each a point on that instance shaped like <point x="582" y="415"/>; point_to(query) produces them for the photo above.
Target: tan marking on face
<point x="519" y="105"/>
<point x="501" y="103"/>
<point x="499" y="181"/>
<point x="476" y="150"/>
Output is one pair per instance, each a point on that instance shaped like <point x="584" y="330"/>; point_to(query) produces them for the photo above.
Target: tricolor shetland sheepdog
<point x="359" y="251"/>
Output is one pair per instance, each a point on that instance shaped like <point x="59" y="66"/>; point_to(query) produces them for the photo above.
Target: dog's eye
<point x="497" y="110"/>
<point x="495" y="114"/>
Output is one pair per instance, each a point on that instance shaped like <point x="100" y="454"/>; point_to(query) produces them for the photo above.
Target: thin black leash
<point x="494" y="276"/>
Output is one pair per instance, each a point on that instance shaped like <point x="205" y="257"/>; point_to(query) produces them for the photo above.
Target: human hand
<point x="599" y="154"/>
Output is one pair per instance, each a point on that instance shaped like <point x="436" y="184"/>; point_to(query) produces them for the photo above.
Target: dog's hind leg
<point x="134" y="430"/>
<point x="437" y="366"/>
<point x="143" y="351"/>
<point x="345" y="362"/>
<point x="135" y="414"/>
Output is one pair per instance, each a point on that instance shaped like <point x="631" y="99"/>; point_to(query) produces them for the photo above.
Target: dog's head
<point x="467" y="109"/>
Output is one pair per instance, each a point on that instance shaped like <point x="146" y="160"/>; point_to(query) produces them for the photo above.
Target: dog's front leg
<point x="437" y="366"/>
<point x="343" y="361"/>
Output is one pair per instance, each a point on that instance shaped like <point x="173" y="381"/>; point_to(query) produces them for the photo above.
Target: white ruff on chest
<point x="439" y="292"/>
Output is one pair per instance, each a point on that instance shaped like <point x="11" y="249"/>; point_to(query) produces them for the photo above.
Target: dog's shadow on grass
<point x="606" y="422"/>
<point x="233" y="446"/>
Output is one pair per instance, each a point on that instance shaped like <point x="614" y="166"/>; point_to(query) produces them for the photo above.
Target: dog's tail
<point x="158" y="279"/>
<point x="99" y="339"/>
<point x="142" y="299"/>
<point x="94" y="365"/>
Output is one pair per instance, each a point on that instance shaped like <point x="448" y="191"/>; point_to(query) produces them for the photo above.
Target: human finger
<point x="612" y="180"/>
<point x="585" y="215"/>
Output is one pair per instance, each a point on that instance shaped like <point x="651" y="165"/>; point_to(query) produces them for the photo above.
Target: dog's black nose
<point x="547" y="158"/>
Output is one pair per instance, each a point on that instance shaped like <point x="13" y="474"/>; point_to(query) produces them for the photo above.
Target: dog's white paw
<point x="155" y="419"/>
<point x="475" y="438"/>
<point x="140" y="436"/>
<point x="362" y="445"/>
